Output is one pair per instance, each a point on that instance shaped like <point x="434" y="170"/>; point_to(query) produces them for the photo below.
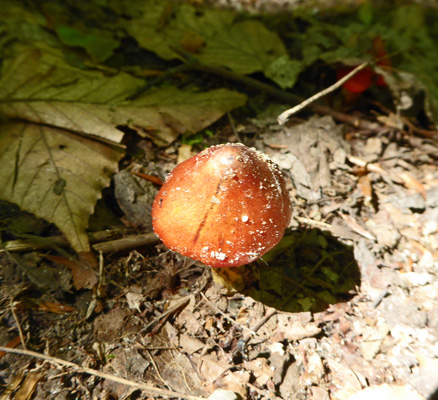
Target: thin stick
<point x="312" y="222"/>
<point x="260" y="323"/>
<point x="33" y="242"/>
<point x="279" y="94"/>
<point x="153" y="391"/>
<point x="284" y="116"/>
<point x="127" y="243"/>
<point x="178" y="304"/>
<point x="20" y="332"/>
<point x="156" y="369"/>
<point x="233" y="126"/>
<point x="263" y="321"/>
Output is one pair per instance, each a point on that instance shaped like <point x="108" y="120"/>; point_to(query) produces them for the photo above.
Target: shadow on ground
<point x="307" y="271"/>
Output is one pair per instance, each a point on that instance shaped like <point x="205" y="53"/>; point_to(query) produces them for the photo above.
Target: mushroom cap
<point x="225" y="207"/>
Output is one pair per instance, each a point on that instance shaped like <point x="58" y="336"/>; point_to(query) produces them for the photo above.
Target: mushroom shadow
<point x="307" y="271"/>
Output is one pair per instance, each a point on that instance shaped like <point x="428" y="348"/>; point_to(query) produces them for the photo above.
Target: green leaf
<point x="197" y="138"/>
<point x="54" y="174"/>
<point x="284" y="71"/>
<point x="41" y="87"/>
<point x="365" y="13"/>
<point x="98" y="46"/>
<point x="243" y="46"/>
<point x="169" y="112"/>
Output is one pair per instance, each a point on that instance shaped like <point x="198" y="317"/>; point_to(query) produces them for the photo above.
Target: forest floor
<point x="159" y="318"/>
<point x="347" y="310"/>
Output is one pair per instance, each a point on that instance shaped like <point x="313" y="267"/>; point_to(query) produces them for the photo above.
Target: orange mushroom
<point x="226" y="206"/>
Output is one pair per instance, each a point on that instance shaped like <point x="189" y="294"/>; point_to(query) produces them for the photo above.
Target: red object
<point x="226" y="206"/>
<point x="366" y="77"/>
<point x="359" y="82"/>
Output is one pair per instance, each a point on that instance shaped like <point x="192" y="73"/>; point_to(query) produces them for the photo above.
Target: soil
<point x="346" y="309"/>
<point x="367" y="314"/>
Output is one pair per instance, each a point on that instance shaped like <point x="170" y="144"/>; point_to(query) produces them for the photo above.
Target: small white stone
<point x="245" y="218"/>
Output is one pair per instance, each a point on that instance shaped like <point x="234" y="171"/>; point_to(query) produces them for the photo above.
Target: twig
<point x="278" y="94"/>
<point x="20" y="332"/>
<point x="182" y="371"/>
<point x="233" y="126"/>
<point x="263" y="321"/>
<point x="157" y="370"/>
<point x="373" y="167"/>
<point x="251" y="332"/>
<point x="312" y="222"/>
<point x="260" y="323"/>
<point x="195" y="368"/>
<point x="153" y="391"/>
<point x="32" y="242"/>
<point x="179" y="304"/>
<point x="128" y="243"/>
<point x="284" y="116"/>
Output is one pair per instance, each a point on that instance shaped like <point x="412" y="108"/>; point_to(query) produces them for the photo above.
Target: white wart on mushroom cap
<point x="226" y="206"/>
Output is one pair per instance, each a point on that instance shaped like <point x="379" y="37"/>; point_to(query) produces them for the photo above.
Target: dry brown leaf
<point x="237" y="382"/>
<point x="27" y="388"/>
<point x="56" y="308"/>
<point x="261" y="370"/>
<point x="411" y="183"/>
<point x="373" y="167"/>
<point x="365" y="187"/>
<point x="55" y="175"/>
<point x="355" y="227"/>
<point x="83" y="277"/>
<point x="12" y="343"/>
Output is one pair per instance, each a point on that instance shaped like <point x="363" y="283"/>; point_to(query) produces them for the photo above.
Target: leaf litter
<point x="360" y="256"/>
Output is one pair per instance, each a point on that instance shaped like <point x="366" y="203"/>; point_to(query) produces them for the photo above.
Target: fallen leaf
<point x="190" y="111"/>
<point x="54" y="174"/>
<point x="99" y="46"/>
<point x="55" y="308"/>
<point x="366" y="188"/>
<point x="237" y="382"/>
<point x="39" y="86"/>
<point x="355" y="227"/>
<point x="242" y="46"/>
<point x="83" y="277"/>
<point x="261" y="370"/>
<point x="413" y="184"/>
<point x="28" y="386"/>
<point x="11" y="344"/>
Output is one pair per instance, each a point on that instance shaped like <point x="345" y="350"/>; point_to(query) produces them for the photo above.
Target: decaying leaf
<point x="55" y="175"/>
<point x="165" y="113"/>
<point x="83" y="277"/>
<point x="243" y="46"/>
<point x="39" y="86"/>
